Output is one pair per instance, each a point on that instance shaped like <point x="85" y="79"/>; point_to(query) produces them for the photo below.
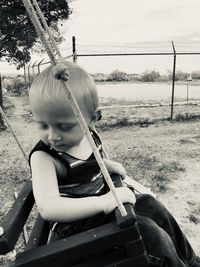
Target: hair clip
<point x="60" y="72"/>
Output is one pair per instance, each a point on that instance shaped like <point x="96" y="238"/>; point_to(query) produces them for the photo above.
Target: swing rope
<point x="46" y="38"/>
<point x="47" y="29"/>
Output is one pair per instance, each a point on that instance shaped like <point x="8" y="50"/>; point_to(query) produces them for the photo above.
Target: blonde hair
<point x="47" y="89"/>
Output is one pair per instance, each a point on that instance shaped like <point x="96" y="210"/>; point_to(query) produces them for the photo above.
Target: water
<point x="147" y="91"/>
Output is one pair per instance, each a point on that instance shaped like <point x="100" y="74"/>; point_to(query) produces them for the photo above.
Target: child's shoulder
<point x="40" y="146"/>
<point x="40" y="152"/>
<point x="42" y="157"/>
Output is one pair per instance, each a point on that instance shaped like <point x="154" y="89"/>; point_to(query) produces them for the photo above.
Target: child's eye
<point x="43" y="126"/>
<point x="64" y="126"/>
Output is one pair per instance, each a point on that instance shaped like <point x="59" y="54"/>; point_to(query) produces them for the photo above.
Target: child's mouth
<point x="57" y="147"/>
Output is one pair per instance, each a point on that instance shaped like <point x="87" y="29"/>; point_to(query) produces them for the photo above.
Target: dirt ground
<point x="178" y="142"/>
<point x="182" y="197"/>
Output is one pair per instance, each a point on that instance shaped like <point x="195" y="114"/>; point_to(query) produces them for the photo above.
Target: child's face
<point x="58" y="126"/>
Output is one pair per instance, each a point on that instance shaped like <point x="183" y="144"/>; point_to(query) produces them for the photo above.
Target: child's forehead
<point x="55" y="118"/>
<point x="52" y="109"/>
<point x="55" y="112"/>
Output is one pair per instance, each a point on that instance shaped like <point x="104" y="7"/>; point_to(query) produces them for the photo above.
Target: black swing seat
<point x="118" y="243"/>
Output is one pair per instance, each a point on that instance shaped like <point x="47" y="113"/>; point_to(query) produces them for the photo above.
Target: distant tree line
<point x="18" y="86"/>
<point x="146" y="76"/>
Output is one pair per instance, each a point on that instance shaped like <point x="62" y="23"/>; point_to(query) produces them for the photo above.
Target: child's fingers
<point x="124" y="194"/>
<point x="119" y="168"/>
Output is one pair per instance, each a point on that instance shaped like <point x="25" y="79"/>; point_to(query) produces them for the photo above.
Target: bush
<point x="180" y="75"/>
<point x="195" y="75"/>
<point x="117" y="75"/>
<point x="150" y="76"/>
<point x="99" y="77"/>
<point x="17" y="86"/>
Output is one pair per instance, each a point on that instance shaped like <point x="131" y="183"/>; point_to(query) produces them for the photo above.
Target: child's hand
<point x="115" y="167"/>
<point x="124" y="194"/>
<point x="138" y="188"/>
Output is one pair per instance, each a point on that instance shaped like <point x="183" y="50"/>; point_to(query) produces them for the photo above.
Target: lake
<point x="148" y="91"/>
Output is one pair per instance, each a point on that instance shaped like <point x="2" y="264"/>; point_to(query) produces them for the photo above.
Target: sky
<point x="107" y="25"/>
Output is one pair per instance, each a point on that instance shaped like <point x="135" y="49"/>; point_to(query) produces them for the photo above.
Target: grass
<point x="152" y="149"/>
<point x="150" y="169"/>
<point x="194" y="215"/>
<point x="128" y="120"/>
<point x="186" y="117"/>
<point x="165" y="175"/>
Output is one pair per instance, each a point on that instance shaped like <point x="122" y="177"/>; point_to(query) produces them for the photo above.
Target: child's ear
<point x="96" y="116"/>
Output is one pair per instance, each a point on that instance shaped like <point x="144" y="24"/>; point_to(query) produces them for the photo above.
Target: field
<point x="160" y="154"/>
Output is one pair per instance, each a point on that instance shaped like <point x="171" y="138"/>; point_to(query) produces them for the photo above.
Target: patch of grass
<point x="194" y="219"/>
<point x="160" y="182"/>
<point x="143" y="122"/>
<point x="165" y="174"/>
<point x="149" y="169"/>
<point x="186" y="117"/>
<point x="160" y="174"/>
<point x="122" y="119"/>
<point x="172" y="166"/>
<point x="125" y="121"/>
<point x="194" y="215"/>
<point x="146" y="161"/>
<point x="114" y="122"/>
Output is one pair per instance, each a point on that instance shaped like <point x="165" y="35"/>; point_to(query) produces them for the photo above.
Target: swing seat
<point x="118" y="243"/>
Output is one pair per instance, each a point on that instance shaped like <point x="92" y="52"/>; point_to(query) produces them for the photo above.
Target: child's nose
<point x="53" y="135"/>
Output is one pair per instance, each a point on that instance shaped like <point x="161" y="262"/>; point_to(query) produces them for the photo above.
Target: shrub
<point x="195" y="75"/>
<point x="179" y="76"/>
<point x="150" y="76"/>
<point x="17" y="86"/>
<point x="117" y="75"/>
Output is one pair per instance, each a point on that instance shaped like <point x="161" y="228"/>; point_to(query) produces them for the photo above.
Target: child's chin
<point x="61" y="148"/>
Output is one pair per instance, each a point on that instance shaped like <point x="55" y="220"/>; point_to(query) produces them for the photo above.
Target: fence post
<point x="33" y="66"/>
<point x="29" y="76"/>
<point x="2" y="126"/>
<point x="74" y="49"/>
<point x="173" y="81"/>
<point x="1" y="92"/>
<point x="24" y="66"/>
<point x="39" y="66"/>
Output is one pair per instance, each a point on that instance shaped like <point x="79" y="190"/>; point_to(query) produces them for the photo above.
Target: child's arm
<point x="115" y="167"/>
<point x="53" y="207"/>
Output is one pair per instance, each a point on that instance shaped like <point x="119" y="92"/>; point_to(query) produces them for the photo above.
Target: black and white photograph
<point x="99" y="133"/>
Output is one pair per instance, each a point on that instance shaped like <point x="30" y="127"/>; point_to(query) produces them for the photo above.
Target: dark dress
<point x="165" y="243"/>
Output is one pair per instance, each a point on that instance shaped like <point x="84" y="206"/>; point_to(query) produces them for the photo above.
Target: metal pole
<point x="29" y="76"/>
<point x="1" y="92"/>
<point x="24" y="66"/>
<point x="39" y="66"/>
<point x="74" y="49"/>
<point x="189" y="79"/>
<point x="33" y="67"/>
<point x="173" y="81"/>
<point x="2" y="126"/>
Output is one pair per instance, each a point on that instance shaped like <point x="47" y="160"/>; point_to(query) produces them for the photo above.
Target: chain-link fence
<point x="162" y="90"/>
